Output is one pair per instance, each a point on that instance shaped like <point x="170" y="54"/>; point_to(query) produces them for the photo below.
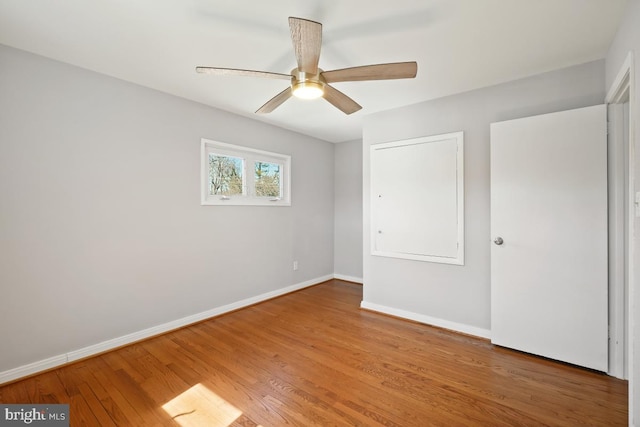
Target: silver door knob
<point x="498" y="241"/>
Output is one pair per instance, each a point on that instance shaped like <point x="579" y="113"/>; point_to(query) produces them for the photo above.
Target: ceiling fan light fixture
<point x="308" y="81"/>
<point x="308" y="89"/>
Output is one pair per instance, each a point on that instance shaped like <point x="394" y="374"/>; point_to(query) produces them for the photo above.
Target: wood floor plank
<point x="80" y="413"/>
<point x="314" y="358"/>
<point x="46" y="388"/>
<point x="101" y="415"/>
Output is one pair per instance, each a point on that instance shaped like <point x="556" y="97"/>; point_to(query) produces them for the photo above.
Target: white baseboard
<point x="71" y="356"/>
<point x="446" y="324"/>
<point x="32" y="368"/>
<point x="348" y="278"/>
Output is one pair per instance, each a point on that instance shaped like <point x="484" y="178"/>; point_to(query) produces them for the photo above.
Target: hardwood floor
<point x="314" y="358"/>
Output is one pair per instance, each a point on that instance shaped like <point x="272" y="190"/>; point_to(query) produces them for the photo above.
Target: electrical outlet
<point x="295" y="265"/>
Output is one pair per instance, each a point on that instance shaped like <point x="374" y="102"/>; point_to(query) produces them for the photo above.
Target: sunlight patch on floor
<point x="199" y="406"/>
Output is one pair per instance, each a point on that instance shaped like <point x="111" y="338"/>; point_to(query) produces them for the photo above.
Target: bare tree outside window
<point x="267" y="176"/>
<point x="225" y="175"/>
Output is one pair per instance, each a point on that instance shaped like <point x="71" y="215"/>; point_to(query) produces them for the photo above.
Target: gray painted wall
<point x="347" y="259"/>
<point x="101" y="229"/>
<point x="459" y="296"/>
<point x="628" y="40"/>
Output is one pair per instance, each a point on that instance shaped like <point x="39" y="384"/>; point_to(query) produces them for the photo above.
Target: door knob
<point x="498" y="241"/>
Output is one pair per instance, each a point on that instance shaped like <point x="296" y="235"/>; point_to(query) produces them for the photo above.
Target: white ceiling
<point x="459" y="45"/>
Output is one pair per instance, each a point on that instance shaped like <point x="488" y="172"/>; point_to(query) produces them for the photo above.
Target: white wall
<point x="101" y="229"/>
<point x="348" y="211"/>
<point x="458" y="297"/>
<point x="628" y="40"/>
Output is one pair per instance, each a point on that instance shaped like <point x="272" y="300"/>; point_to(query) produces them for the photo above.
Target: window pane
<point x="267" y="179"/>
<point x="225" y="175"/>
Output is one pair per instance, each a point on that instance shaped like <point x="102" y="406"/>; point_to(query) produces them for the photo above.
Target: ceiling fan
<point x="308" y="81"/>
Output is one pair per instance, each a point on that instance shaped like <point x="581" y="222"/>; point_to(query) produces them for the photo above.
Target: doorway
<point x="621" y="222"/>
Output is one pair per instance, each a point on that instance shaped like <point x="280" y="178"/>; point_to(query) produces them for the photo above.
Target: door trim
<point x="618" y="223"/>
<point x="623" y="86"/>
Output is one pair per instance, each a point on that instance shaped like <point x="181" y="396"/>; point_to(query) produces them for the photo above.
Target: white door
<point x="549" y="232"/>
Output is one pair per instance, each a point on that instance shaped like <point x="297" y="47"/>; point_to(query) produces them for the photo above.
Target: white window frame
<point x="250" y="156"/>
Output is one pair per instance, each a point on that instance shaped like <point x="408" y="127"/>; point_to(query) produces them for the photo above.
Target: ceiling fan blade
<point x="275" y="102"/>
<point x="236" y="72"/>
<point x="307" y="40"/>
<point x="395" y="70"/>
<point x="339" y="100"/>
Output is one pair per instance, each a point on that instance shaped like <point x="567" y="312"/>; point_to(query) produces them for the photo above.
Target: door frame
<point x="621" y="90"/>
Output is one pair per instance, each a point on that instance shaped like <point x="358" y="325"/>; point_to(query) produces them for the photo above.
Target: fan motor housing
<point x="307" y="85"/>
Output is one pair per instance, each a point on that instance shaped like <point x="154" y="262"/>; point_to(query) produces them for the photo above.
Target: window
<point x="234" y="175"/>
<point x="225" y="175"/>
<point x="267" y="179"/>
